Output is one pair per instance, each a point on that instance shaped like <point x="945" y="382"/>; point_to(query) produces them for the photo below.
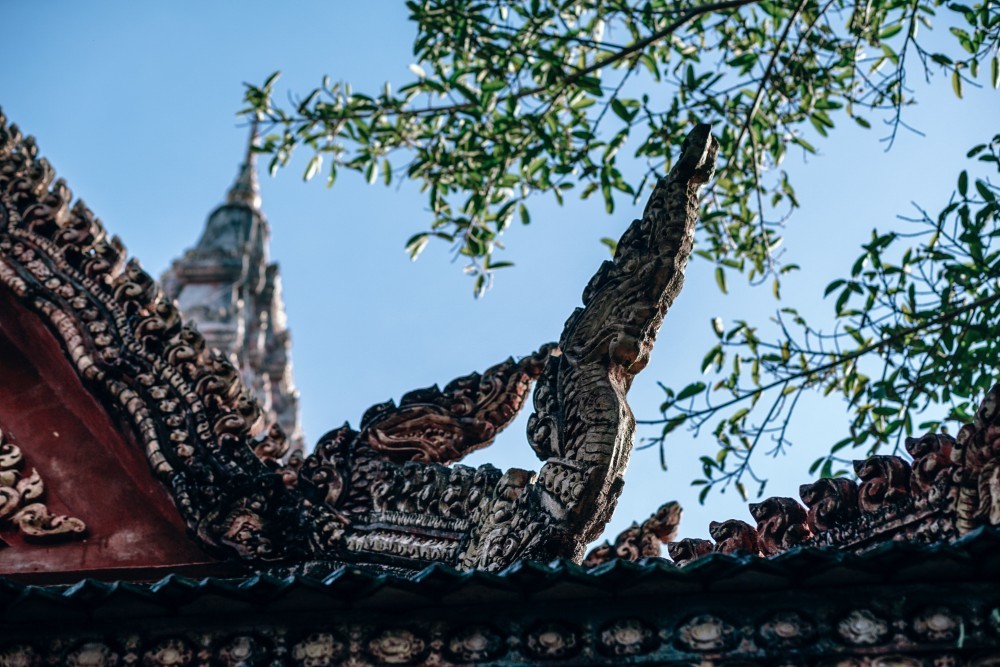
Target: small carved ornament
<point x="19" y="500"/>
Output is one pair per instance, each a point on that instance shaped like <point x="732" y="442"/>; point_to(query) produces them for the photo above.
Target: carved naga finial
<point x="582" y="426"/>
<point x="381" y="495"/>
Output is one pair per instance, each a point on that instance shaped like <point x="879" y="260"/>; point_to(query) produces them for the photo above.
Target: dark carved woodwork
<point x="442" y="426"/>
<point x="641" y="615"/>
<point x="831" y="501"/>
<point x="781" y="524"/>
<point x="734" y="536"/>
<point x="378" y="495"/>
<point x="640" y="541"/>
<point x="932" y="463"/>
<point x="885" y="480"/>
<point x="21" y="496"/>
<point x="89" y="471"/>
<point x="688" y="549"/>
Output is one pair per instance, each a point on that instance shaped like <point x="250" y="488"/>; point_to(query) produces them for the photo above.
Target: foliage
<point x="916" y="330"/>
<point x="519" y="98"/>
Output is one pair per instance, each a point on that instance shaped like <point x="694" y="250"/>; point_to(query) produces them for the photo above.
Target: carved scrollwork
<point x="885" y="480"/>
<point x="640" y="541"/>
<point x="320" y="649"/>
<point x="627" y="637"/>
<point x="582" y="426"/>
<point x="444" y="425"/>
<point x="20" y="496"/>
<point x="787" y="629"/>
<point x="831" y="501"/>
<point x="734" y="536"/>
<point x="377" y="494"/>
<point x="781" y="524"/>
<point x="477" y="643"/>
<point x="552" y="640"/>
<point x="689" y="549"/>
<point x="706" y="633"/>
<point x="862" y="627"/>
<point x="932" y="464"/>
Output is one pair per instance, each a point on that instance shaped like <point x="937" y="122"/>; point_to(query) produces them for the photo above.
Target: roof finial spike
<point x="246" y="189"/>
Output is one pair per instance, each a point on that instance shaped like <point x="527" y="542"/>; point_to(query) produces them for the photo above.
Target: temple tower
<point x="228" y="286"/>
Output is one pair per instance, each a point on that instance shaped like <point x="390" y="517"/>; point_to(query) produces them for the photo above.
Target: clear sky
<point x="134" y="105"/>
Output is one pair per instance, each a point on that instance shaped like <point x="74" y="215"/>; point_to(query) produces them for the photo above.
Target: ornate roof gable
<point x="380" y="495"/>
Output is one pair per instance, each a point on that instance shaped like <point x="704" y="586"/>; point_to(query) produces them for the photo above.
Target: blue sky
<point x="134" y="105"/>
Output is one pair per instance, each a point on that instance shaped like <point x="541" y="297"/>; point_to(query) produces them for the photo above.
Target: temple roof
<point x="901" y="604"/>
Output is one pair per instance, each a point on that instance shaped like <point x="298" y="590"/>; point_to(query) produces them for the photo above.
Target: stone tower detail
<point x="227" y="285"/>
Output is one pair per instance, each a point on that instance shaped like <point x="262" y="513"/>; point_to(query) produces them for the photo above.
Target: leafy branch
<point x="515" y="99"/>
<point x="913" y="338"/>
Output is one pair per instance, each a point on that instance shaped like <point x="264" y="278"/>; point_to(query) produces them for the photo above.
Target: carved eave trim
<point x="948" y="488"/>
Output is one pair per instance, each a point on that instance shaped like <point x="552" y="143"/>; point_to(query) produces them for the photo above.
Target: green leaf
<point x="692" y="389"/>
<point x="611" y="243"/>
<point x="416" y="245"/>
<point x="313" y="167"/>
<point x="717" y="326"/>
<point x="720" y="280"/>
<point x="995" y="72"/>
<point x="891" y="31"/>
<point x="956" y="83"/>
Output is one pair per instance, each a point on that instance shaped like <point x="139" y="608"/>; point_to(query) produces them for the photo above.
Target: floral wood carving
<point x="20" y="500"/>
<point x="378" y="495"/>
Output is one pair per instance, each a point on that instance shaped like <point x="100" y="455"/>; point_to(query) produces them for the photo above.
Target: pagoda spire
<point x="246" y="189"/>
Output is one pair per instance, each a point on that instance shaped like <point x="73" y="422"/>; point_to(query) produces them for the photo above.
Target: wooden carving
<point x="734" y="536"/>
<point x="21" y="496"/>
<point x="640" y="541"/>
<point x="951" y="487"/>
<point x="381" y="494"/>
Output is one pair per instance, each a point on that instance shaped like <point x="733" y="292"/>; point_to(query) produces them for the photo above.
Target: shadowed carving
<point x="378" y="495"/>
<point x="885" y="480"/>
<point x="781" y="524"/>
<point x="734" y="536"/>
<point x="443" y="425"/>
<point x="640" y="541"/>
<point x="689" y="549"/>
<point x="831" y="501"/>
